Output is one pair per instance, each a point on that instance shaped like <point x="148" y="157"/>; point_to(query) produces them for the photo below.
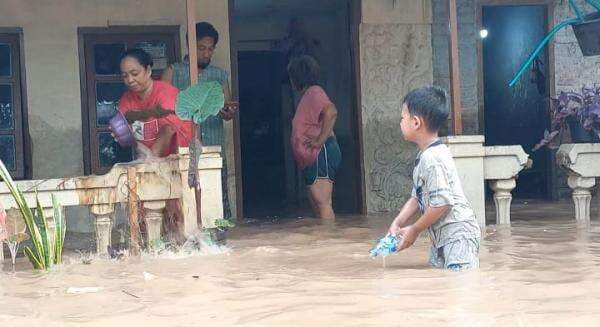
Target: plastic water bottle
<point x="386" y="246"/>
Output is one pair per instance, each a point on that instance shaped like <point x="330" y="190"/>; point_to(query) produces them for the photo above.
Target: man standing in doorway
<point x="178" y="75"/>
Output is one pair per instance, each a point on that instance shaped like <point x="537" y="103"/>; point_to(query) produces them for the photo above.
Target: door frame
<point x="552" y="180"/>
<point x="354" y="20"/>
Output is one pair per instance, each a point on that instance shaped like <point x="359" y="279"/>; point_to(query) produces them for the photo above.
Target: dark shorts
<point x="326" y="165"/>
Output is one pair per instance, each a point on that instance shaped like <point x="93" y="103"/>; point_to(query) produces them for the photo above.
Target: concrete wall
<point x="467" y="39"/>
<point x="572" y="70"/>
<point x="395" y="41"/>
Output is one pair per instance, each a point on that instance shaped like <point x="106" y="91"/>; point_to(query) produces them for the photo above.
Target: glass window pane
<point x="7" y="151"/>
<point x="158" y="52"/>
<point x="107" y="100"/>
<point x="110" y="152"/>
<point x="106" y="58"/>
<point x="5" y="62"/>
<point x="6" y="108"/>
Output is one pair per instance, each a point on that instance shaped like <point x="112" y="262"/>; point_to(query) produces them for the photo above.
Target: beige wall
<point x="395" y="56"/>
<point x="52" y="63"/>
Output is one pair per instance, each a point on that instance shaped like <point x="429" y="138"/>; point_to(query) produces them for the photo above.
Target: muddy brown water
<point x="541" y="271"/>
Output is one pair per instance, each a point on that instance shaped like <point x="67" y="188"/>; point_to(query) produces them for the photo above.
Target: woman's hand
<point x="315" y="143"/>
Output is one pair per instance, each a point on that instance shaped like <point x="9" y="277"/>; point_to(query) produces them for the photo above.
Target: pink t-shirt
<point x="306" y="125"/>
<point x="166" y="96"/>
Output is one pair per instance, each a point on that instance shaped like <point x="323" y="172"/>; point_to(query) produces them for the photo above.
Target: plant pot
<point x="588" y="34"/>
<point x="580" y="134"/>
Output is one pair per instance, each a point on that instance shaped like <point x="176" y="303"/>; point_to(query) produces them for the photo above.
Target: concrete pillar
<point x="503" y="199"/>
<point x="468" y="153"/>
<point x="103" y="223"/>
<point x="582" y="196"/>
<point x="154" y="213"/>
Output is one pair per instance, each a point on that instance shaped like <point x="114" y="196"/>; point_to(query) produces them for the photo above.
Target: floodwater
<point x="541" y="271"/>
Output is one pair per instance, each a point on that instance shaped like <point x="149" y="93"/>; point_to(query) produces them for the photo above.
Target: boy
<point x="437" y="193"/>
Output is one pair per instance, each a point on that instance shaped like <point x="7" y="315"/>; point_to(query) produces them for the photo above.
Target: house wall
<point x="395" y="57"/>
<point x="52" y="66"/>
<point x="467" y="42"/>
<point x="572" y="69"/>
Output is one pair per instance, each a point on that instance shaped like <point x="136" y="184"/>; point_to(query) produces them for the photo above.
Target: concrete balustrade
<point x="157" y="181"/>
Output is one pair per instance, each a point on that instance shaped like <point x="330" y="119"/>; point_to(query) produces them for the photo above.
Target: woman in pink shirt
<point x="314" y="145"/>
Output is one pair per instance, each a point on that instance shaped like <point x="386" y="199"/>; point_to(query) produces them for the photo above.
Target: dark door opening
<point x="517" y="115"/>
<point x="262" y="35"/>
<point x="261" y="135"/>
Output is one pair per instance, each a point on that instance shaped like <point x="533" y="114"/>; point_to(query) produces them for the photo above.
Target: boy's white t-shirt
<point x="436" y="184"/>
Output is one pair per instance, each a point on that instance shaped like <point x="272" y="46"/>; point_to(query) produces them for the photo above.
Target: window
<point x="102" y="86"/>
<point x="12" y="116"/>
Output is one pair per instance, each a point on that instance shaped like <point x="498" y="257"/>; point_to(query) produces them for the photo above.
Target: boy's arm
<point x="430" y="217"/>
<point x="408" y="211"/>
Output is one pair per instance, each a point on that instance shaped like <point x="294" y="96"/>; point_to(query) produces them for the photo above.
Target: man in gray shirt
<point x="437" y="194"/>
<point x="178" y="75"/>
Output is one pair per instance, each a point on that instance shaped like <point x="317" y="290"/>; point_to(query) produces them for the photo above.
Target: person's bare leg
<point x="311" y="201"/>
<point x="321" y="192"/>
<point x="165" y="136"/>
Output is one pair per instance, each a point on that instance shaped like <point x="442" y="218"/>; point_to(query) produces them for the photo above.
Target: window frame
<point x="14" y="37"/>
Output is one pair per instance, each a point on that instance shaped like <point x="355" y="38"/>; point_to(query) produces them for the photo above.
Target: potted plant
<point x="577" y="113"/>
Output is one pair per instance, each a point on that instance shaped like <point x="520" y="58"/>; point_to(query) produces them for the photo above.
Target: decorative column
<point x="103" y="223"/>
<point x="582" y="197"/>
<point x="154" y="212"/>
<point x="502" y="198"/>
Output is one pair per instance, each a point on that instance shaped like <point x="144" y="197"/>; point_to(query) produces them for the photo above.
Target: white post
<point x="582" y="197"/>
<point x="502" y="198"/>
<point x="154" y="212"/>
<point x="103" y="223"/>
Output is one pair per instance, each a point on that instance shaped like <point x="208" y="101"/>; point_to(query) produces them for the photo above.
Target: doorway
<point x="517" y="115"/>
<point x="260" y="33"/>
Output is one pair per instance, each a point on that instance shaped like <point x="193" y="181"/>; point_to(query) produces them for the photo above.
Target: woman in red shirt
<point x="149" y="106"/>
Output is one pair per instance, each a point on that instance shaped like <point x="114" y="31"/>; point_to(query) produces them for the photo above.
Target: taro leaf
<point x="200" y="101"/>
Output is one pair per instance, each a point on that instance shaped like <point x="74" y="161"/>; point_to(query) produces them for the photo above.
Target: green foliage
<point x="47" y="249"/>
<point x="200" y="101"/>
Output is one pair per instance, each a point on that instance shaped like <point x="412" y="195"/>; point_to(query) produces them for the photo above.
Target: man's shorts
<point x="326" y="165"/>
<point x="458" y="255"/>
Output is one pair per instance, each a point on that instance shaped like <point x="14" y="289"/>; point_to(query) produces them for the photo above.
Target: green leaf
<point x="35" y="260"/>
<point x="200" y="101"/>
<point x="42" y="224"/>
<point x="59" y="231"/>
<point x="224" y="223"/>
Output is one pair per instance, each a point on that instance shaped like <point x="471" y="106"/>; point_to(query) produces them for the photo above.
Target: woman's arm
<point x="146" y="114"/>
<point x="328" y="117"/>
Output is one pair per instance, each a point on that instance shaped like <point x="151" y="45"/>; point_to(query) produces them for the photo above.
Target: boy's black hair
<point x="304" y="72"/>
<point x="140" y="55"/>
<point x="430" y="103"/>
<point x="205" y="29"/>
